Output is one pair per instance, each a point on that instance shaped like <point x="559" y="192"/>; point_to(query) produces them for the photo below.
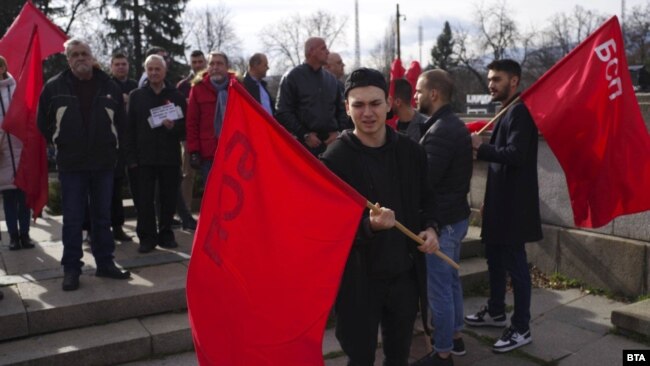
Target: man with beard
<point x="80" y="111"/>
<point x="511" y="215"/>
<point x="384" y="277"/>
<point x="449" y="161"/>
<point x="205" y="111"/>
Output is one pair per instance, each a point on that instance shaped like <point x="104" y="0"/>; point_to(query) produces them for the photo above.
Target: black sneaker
<point x="484" y="319"/>
<point x="433" y="359"/>
<point x="168" y="244"/>
<point x="511" y="339"/>
<point x="458" y="349"/>
<point x="26" y="242"/>
<point x="111" y="271"/>
<point x="14" y="242"/>
<point x="146" y="246"/>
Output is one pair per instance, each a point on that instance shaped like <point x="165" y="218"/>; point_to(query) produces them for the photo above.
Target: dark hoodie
<point x="395" y="175"/>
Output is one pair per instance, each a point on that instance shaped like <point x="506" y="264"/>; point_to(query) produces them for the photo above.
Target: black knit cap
<point x="365" y="77"/>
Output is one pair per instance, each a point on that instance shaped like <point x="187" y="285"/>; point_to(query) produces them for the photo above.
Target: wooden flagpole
<point x="503" y="110"/>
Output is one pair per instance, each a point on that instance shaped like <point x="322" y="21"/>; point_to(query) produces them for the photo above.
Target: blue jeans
<point x="503" y="259"/>
<point x="76" y="190"/>
<point x="444" y="290"/>
<point x="16" y="211"/>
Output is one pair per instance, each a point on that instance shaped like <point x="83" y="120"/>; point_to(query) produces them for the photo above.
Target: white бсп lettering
<point x="605" y="52"/>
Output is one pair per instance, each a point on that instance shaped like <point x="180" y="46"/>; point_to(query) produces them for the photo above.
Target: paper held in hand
<point x="169" y="111"/>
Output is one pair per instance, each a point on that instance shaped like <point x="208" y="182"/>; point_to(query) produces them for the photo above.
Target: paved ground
<point x="568" y="327"/>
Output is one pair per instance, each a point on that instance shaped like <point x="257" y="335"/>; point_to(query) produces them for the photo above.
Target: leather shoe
<point x="189" y="225"/>
<point x="146" y="247"/>
<point x="70" y="281"/>
<point x="14" y="242"/>
<point x="170" y="244"/>
<point x="111" y="271"/>
<point x="26" y="242"/>
<point x="119" y="234"/>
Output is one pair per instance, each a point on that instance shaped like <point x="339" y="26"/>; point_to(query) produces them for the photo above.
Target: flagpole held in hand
<point x="498" y="115"/>
<point x="416" y="238"/>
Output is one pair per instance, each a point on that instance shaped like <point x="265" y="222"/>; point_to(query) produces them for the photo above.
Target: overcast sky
<point x="249" y="16"/>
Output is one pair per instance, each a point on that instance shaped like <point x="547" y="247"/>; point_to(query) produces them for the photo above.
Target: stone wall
<point x="615" y="257"/>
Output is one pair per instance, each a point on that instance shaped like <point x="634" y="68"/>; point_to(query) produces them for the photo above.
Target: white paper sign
<point x="166" y="111"/>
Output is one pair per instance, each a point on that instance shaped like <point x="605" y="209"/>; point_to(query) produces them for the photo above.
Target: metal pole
<point x="399" y="52"/>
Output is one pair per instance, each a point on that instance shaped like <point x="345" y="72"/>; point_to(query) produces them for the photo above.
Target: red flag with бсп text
<point x="586" y="109"/>
<point x="275" y="230"/>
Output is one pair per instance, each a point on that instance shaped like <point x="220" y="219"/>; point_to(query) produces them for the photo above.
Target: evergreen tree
<point x="10" y="8"/>
<point x="139" y="24"/>
<point x="442" y="52"/>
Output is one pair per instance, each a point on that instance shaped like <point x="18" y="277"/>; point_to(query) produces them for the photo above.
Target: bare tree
<point x="468" y="56"/>
<point x="211" y="29"/>
<point x="383" y="53"/>
<point x="284" y="41"/>
<point x="498" y="30"/>
<point x="637" y="32"/>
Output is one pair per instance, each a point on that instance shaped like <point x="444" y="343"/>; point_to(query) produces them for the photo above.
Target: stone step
<point x="634" y="318"/>
<point x="472" y="246"/>
<point x="108" y="344"/>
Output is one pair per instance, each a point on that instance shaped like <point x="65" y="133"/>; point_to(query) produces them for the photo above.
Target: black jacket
<point x="153" y="146"/>
<point x="82" y="146"/>
<point x="511" y="206"/>
<point x="376" y="255"/>
<point x="449" y="158"/>
<point x="310" y="101"/>
<point x="251" y="86"/>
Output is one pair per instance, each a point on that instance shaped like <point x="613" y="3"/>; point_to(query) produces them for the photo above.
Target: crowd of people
<point x="107" y="127"/>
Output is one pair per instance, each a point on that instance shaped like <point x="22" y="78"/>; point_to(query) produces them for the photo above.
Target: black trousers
<point x="366" y="304"/>
<point x="117" y="207"/>
<point x="168" y="180"/>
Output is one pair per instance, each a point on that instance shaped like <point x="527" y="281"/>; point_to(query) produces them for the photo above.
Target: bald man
<point x="310" y="104"/>
<point x="335" y="65"/>
<point x="254" y="82"/>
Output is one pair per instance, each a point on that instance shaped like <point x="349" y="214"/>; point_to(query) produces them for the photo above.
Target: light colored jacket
<point x="10" y="146"/>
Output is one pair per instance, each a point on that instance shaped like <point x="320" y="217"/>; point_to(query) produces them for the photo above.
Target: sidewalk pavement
<point x="568" y="327"/>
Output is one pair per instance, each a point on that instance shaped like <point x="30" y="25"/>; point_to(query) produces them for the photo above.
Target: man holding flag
<point x="511" y="215"/>
<point x="384" y="278"/>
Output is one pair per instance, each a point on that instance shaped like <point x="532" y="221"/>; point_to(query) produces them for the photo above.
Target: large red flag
<point x="275" y="230"/>
<point x="14" y="45"/>
<point x="587" y="111"/>
<point x="20" y="121"/>
<point x="396" y="72"/>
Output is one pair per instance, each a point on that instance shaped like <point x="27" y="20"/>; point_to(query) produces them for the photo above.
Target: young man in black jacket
<point x="156" y="152"/>
<point x="384" y="278"/>
<point x="449" y="160"/>
<point x="81" y="111"/>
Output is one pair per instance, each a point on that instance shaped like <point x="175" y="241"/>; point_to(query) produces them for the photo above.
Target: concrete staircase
<point x="108" y="321"/>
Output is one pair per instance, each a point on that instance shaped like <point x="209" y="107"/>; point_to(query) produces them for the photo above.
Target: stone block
<point x="554" y="340"/>
<point x="554" y="202"/>
<point x="589" y="312"/>
<point x="545" y="254"/>
<point x="633" y="226"/>
<point x="13" y="318"/>
<point x="99" y="345"/>
<point x="151" y="290"/>
<point x="603" y="261"/>
<point x="170" y="333"/>
<point x="634" y="317"/>
<point x="473" y="271"/>
<point x="477" y="184"/>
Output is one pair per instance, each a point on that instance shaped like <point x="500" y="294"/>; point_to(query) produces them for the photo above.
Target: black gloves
<point x="195" y="160"/>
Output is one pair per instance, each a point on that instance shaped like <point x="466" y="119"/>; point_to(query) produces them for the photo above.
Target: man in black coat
<point x="384" y="277"/>
<point x="254" y="82"/>
<point x="448" y="145"/>
<point x="81" y="111"/>
<point x="155" y="149"/>
<point x="511" y="215"/>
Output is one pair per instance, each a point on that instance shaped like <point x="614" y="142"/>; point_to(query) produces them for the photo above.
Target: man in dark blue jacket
<point x="511" y="215"/>
<point x="81" y="111"/>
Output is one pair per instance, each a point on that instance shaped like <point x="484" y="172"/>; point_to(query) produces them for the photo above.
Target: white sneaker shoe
<point x="483" y="319"/>
<point x="511" y="339"/>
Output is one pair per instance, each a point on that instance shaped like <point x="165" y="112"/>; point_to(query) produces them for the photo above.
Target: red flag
<point x="587" y="111"/>
<point x="13" y="46"/>
<point x="476" y="126"/>
<point x="20" y="121"/>
<point x="412" y="75"/>
<point x="396" y="72"/>
<point x="275" y="230"/>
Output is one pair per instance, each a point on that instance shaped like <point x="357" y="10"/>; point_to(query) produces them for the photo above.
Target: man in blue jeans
<point x="448" y="145"/>
<point x="511" y="215"/>
<point x="80" y="111"/>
